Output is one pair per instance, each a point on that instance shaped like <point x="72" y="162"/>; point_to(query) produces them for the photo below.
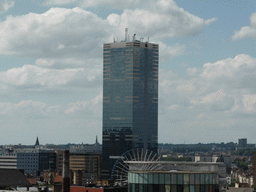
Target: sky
<point x="51" y="67"/>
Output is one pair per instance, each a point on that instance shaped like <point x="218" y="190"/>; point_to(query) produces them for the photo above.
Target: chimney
<point x="66" y="174"/>
<point x="126" y="30"/>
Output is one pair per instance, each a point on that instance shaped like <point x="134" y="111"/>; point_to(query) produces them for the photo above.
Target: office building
<point x="130" y="99"/>
<point x="85" y="166"/>
<point x="8" y="158"/>
<point x="35" y="161"/>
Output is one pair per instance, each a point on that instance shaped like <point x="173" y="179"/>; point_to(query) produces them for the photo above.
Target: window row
<point x="171" y="188"/>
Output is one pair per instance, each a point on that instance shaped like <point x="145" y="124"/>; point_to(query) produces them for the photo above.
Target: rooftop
<point x="13" y="177"/>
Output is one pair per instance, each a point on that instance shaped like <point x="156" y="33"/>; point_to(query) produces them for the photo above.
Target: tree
<point x="220" y="159"/>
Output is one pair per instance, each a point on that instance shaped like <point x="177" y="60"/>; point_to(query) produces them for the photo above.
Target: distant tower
<point x="37" y="141"/>
<point x="96" y="142"/>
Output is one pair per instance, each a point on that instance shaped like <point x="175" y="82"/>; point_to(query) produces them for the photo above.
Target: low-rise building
<point x="175" y="181"/>
<point x="174" y="176"/>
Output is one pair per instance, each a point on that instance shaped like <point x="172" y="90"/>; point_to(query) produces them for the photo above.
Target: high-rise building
<point x="130" y="99"/>
<point x="242" y="142"/>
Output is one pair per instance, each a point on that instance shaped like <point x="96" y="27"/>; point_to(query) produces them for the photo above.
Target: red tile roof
<point x="32" y="181"/>
<point x="58" y="179"/>
<point x="83" y="189"/>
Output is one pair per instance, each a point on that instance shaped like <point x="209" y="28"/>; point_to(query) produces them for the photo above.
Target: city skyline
<point x="51" y="72"/>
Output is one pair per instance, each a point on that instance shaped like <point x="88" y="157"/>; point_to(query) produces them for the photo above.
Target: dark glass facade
<point x="47" y="161"/>
<point x="130" y="100"/>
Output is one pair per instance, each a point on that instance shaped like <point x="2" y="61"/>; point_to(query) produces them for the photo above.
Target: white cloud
<point x="79" y="106"/>
<point x="5" y="5"/>
<point x="62" y="63"/>
<point x="114" y="3"/>
<point x="225" y="87"/>
<point x="117" y="4"/>
<point x="249" y="103"/>
<point x="203" y="116"/>
<point x="158" y="22"/>
<point x="30" y="76"/>
<point x="67" y="46"/>
<point x="28" y="118"/>
<point x="58" y="32"/>
<point x="173" y="107"/>
<point x="76" y="33"/>
<point x="25" y="109"/>
<point x="59" y="2"/>
<point x="86" y="107"/>
<point x="236" y="72"/>
<point x="216" y="101"/>
<point x="209" y="21"/>
<point x="211" y="98"/>
<point x="168" y="52"/>
<point x="212" y="102"/>
<point x="247" y="31"/>
<point x="193" y="71"/>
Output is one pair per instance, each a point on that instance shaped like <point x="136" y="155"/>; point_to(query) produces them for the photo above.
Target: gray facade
<point x="29" y="161"/>
<point x="130" y="99"/>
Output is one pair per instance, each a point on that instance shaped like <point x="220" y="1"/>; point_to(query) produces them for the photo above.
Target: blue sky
<point x="51" y="67"/>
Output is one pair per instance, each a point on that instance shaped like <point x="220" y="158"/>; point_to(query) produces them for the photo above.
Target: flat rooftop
<point x="175" y="172"/>
<point x="175" y="162"/>
<point x="126" y="44"/>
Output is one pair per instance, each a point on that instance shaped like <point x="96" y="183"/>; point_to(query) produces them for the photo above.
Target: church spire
<point x="37" y="141"/>
<point x="96" y="142"/>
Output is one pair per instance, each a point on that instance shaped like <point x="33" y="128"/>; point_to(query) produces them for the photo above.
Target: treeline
<point x="186" y="148"/>
<point x="245" y="152"/>
<point x="176" y="159"/>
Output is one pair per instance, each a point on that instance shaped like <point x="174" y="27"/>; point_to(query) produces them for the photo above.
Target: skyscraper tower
<point x="130" y="99"/>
